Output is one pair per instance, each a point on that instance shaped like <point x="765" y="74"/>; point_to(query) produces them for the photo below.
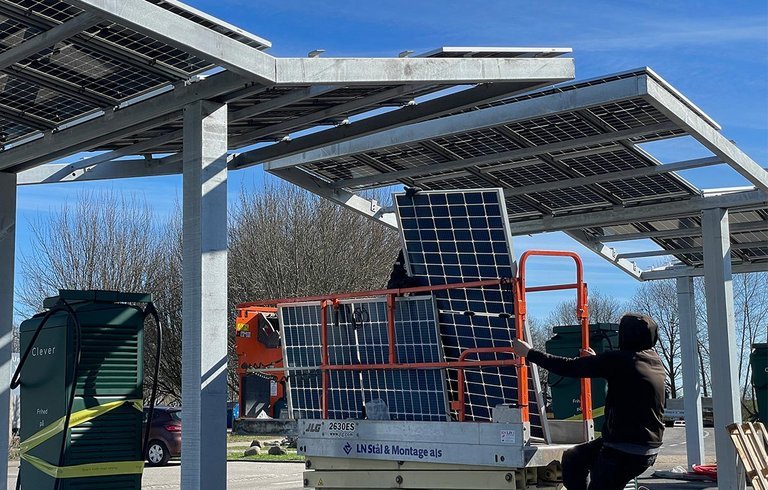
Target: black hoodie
<point x="634" y="403"/>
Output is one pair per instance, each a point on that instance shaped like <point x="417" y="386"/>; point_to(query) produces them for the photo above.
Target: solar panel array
<point x="748" y="232"/>
<point x="109" y="65"/>
<point x="357" y="334"/>
<point x="535" y="158"/>
<point x="462" y="236"/>
<point x="101" y="67"/>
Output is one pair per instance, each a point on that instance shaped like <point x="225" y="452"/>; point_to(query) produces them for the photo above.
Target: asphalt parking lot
<point x="288" y="476"/>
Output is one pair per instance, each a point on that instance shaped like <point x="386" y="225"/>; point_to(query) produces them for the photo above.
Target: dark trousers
<point x="608" y="469"/>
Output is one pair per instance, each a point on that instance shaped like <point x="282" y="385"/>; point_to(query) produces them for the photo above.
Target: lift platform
<point x="378" y="449"/>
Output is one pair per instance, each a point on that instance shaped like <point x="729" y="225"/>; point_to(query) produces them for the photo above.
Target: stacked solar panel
<point x="358" y="334"/>
<point x="455" y="237"/>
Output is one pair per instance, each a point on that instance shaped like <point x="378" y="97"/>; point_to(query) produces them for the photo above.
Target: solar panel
<point x="414" y="394"/>
<point x="302" y="348"/>
<point x="461" y="236"/>
<point x="358" y="334"/>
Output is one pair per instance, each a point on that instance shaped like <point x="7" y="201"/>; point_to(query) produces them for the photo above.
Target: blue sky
<point x="715" y="52"/>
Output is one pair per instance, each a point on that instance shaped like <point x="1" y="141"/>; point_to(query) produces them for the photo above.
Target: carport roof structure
<point x="568" y="159"/>
<point x="156" y="87"/>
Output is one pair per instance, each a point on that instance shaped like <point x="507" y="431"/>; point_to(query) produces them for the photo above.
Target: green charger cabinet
<point x="758" y="360"/>
<point x="104" y="450"/>
<point x="566" y="392"/>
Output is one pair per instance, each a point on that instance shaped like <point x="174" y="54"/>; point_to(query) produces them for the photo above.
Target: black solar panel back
<point x="453" y="237"/>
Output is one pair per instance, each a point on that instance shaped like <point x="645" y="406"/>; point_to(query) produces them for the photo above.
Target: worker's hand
<point x="520" y="347"/>
<point x="588" y="352"/>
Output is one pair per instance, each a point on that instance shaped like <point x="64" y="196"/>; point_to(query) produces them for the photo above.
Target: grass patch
<point x="249" y="438"/>
<point x="291" y="456"/>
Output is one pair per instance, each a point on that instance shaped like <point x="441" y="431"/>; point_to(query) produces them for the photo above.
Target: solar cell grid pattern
<point x="302" y="348"/>
<point x="490" y="147"/>
<point x="413" y="394"/>
<point x="358" y="334"/>
<point x="461" y="236"/>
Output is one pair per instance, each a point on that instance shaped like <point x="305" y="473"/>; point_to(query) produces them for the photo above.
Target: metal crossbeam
<point x="410" y="114"/>
<point x="367" y="207"/>
<point x="355" y="71"/>
<point x="509" y="155"/>
<point x="174" y="30"/>
<point x="689" y="250"/>
<point x="605" y="252"/>
<point x="468" y="121"/>
<point x="705" y="133"/>
<point x="675" y="271"/>
<point x="46" y="39"/>
<point x="621" y="214"/>
<point x="682" y="232"/>
<point x="87" y="135"/>
<point x="613" y="176"/>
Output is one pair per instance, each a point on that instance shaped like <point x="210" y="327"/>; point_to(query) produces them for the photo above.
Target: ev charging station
<point x="82" y="377"/>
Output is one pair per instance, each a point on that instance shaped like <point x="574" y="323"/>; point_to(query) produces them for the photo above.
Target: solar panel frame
<point x="415" y="394"/>
<point x="412" y="394"/>
<point x="300" y="327"/>
<point x="456" y="236"/>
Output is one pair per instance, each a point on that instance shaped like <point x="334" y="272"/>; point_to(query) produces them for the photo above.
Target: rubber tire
<point x="162" y="448"/>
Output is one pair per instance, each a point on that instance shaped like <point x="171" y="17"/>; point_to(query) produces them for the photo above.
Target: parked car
<point x="164" y="435"/>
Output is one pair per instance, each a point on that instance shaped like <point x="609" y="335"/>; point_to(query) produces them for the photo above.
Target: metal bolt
<point x="509" y="477"/>
<point x="308" y="464"/>
<point x="306" y="482"/>
<point x="399" y="480"/>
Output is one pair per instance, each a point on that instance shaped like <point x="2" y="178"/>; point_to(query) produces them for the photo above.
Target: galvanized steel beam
<point x="458" y="164"/>
<point x="721" y="325"/>
<point x="408" y="114"/>
<point x="687" y="250"/>
<point x="7" y="259"/>
<point x="680" y="270"/>
<point x="367" y="207"/>
<point x="179" y="32"/>
<point x="473" y="120"/>
<point x="703" y="130"/>
<point x="603" y="251"/>
<point x="694" y="423"/>
<point x="205" y="309"/>
<point x="357" y="71"/>
<point x="692" y="231"/>
<point x="121" y="122"/>
<point x="621" y="214"/>
<point x="48" y="38"/>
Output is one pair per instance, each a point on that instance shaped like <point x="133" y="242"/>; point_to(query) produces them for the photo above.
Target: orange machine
<point x="258" y="347"/>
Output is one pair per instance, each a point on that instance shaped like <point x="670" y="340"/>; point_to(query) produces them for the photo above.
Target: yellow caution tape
<point x="86" y="470"/>
<point x="83" y="470"/>
<point x="596" y="412"/>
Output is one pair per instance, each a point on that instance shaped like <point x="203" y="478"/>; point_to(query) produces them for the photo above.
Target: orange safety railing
<point x="519" y="289"/>
<point x="582" y="313"/>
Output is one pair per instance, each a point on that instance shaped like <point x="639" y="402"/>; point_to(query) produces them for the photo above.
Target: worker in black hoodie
<point x="633" y="427"/>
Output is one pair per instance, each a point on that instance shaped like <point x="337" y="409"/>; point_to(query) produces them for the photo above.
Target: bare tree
<point x="287" y="242"/>
<point x="602" y="309"/>
<point x="750" y="293"/>
<point x="101" y="241"/>
<point x="105" y="240"/>
<point x="658" y="299"/>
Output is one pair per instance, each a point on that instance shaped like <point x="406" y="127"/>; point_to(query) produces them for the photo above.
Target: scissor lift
<point x="457" y="454"/>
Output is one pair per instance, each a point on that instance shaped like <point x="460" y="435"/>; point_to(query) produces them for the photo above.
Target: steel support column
<point x="721" y="324"/>
<point x="694" y="426"/>
<point x="7" y="254"/>
<point x="204" y="334"/>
